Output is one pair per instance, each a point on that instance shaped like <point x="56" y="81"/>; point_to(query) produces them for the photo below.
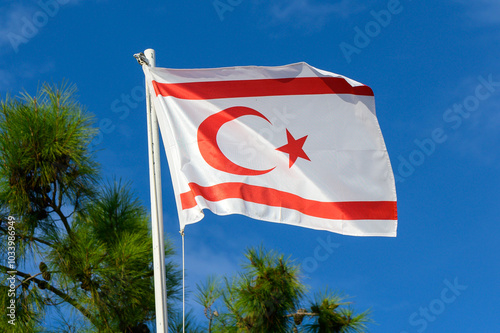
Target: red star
<point x="294" y="148"/>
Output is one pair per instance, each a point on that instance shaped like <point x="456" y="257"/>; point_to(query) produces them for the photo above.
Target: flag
<point x="289" y="144"/>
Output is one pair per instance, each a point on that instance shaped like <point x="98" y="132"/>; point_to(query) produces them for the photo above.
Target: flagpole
<point x="156" y="208"/>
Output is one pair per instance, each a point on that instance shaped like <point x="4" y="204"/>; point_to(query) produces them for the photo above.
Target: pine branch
<point x="57" y="210"/>
<point x="56" y="291"/>
<point x="30" y="238"/>
<point x="300" y="313"/>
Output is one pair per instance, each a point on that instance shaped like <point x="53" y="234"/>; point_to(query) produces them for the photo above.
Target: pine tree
<point x="83" y="250"/>
<point x="267" y="296"/>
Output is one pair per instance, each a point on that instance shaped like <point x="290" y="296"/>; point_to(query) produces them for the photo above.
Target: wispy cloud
<point x="21" y="21"/>
<point x="5" y="79"/>
<point x="477" y="136"/>
<point x="11" y="21"/>
<point x="10" y="79"/>
<point x="309" y="15"/>
<point x="204" y="261"/>
<point x="481" y="141"/>
<point x="482" y="12"/>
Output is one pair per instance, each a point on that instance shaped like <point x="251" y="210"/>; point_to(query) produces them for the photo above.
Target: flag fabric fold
<point x="289" y="144"/>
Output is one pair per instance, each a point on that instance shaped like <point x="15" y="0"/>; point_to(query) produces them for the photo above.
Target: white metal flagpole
<point x="156" y="208"/>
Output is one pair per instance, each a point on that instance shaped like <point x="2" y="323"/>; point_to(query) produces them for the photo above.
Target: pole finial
<point x="141" y="58"/>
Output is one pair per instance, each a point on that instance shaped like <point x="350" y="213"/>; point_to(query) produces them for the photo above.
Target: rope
<point x="183" y="288"/>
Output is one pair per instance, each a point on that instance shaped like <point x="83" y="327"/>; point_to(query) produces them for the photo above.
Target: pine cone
<point x="43" y="267"/>
<point x="46" y="276"/>
<point x="297" y="318"/>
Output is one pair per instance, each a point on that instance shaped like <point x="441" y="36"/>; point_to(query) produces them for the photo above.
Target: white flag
<point x="291" y="144"/>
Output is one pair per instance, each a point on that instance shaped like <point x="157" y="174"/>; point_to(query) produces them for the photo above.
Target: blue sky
<point x="435" y="73"/>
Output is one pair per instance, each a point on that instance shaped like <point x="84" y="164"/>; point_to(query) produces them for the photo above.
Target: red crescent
<point x="209" y="148"/>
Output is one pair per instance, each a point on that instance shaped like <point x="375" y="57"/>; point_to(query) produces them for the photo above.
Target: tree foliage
<point x="81" y="247"/>
<point x="268" y="296"/>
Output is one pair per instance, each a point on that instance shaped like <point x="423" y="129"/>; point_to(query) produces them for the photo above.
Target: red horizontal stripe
<point x="256" y="88"/>
<point x="350" y="210"/>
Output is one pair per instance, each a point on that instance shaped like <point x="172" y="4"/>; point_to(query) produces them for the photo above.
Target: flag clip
<point x="141" y="58"/>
